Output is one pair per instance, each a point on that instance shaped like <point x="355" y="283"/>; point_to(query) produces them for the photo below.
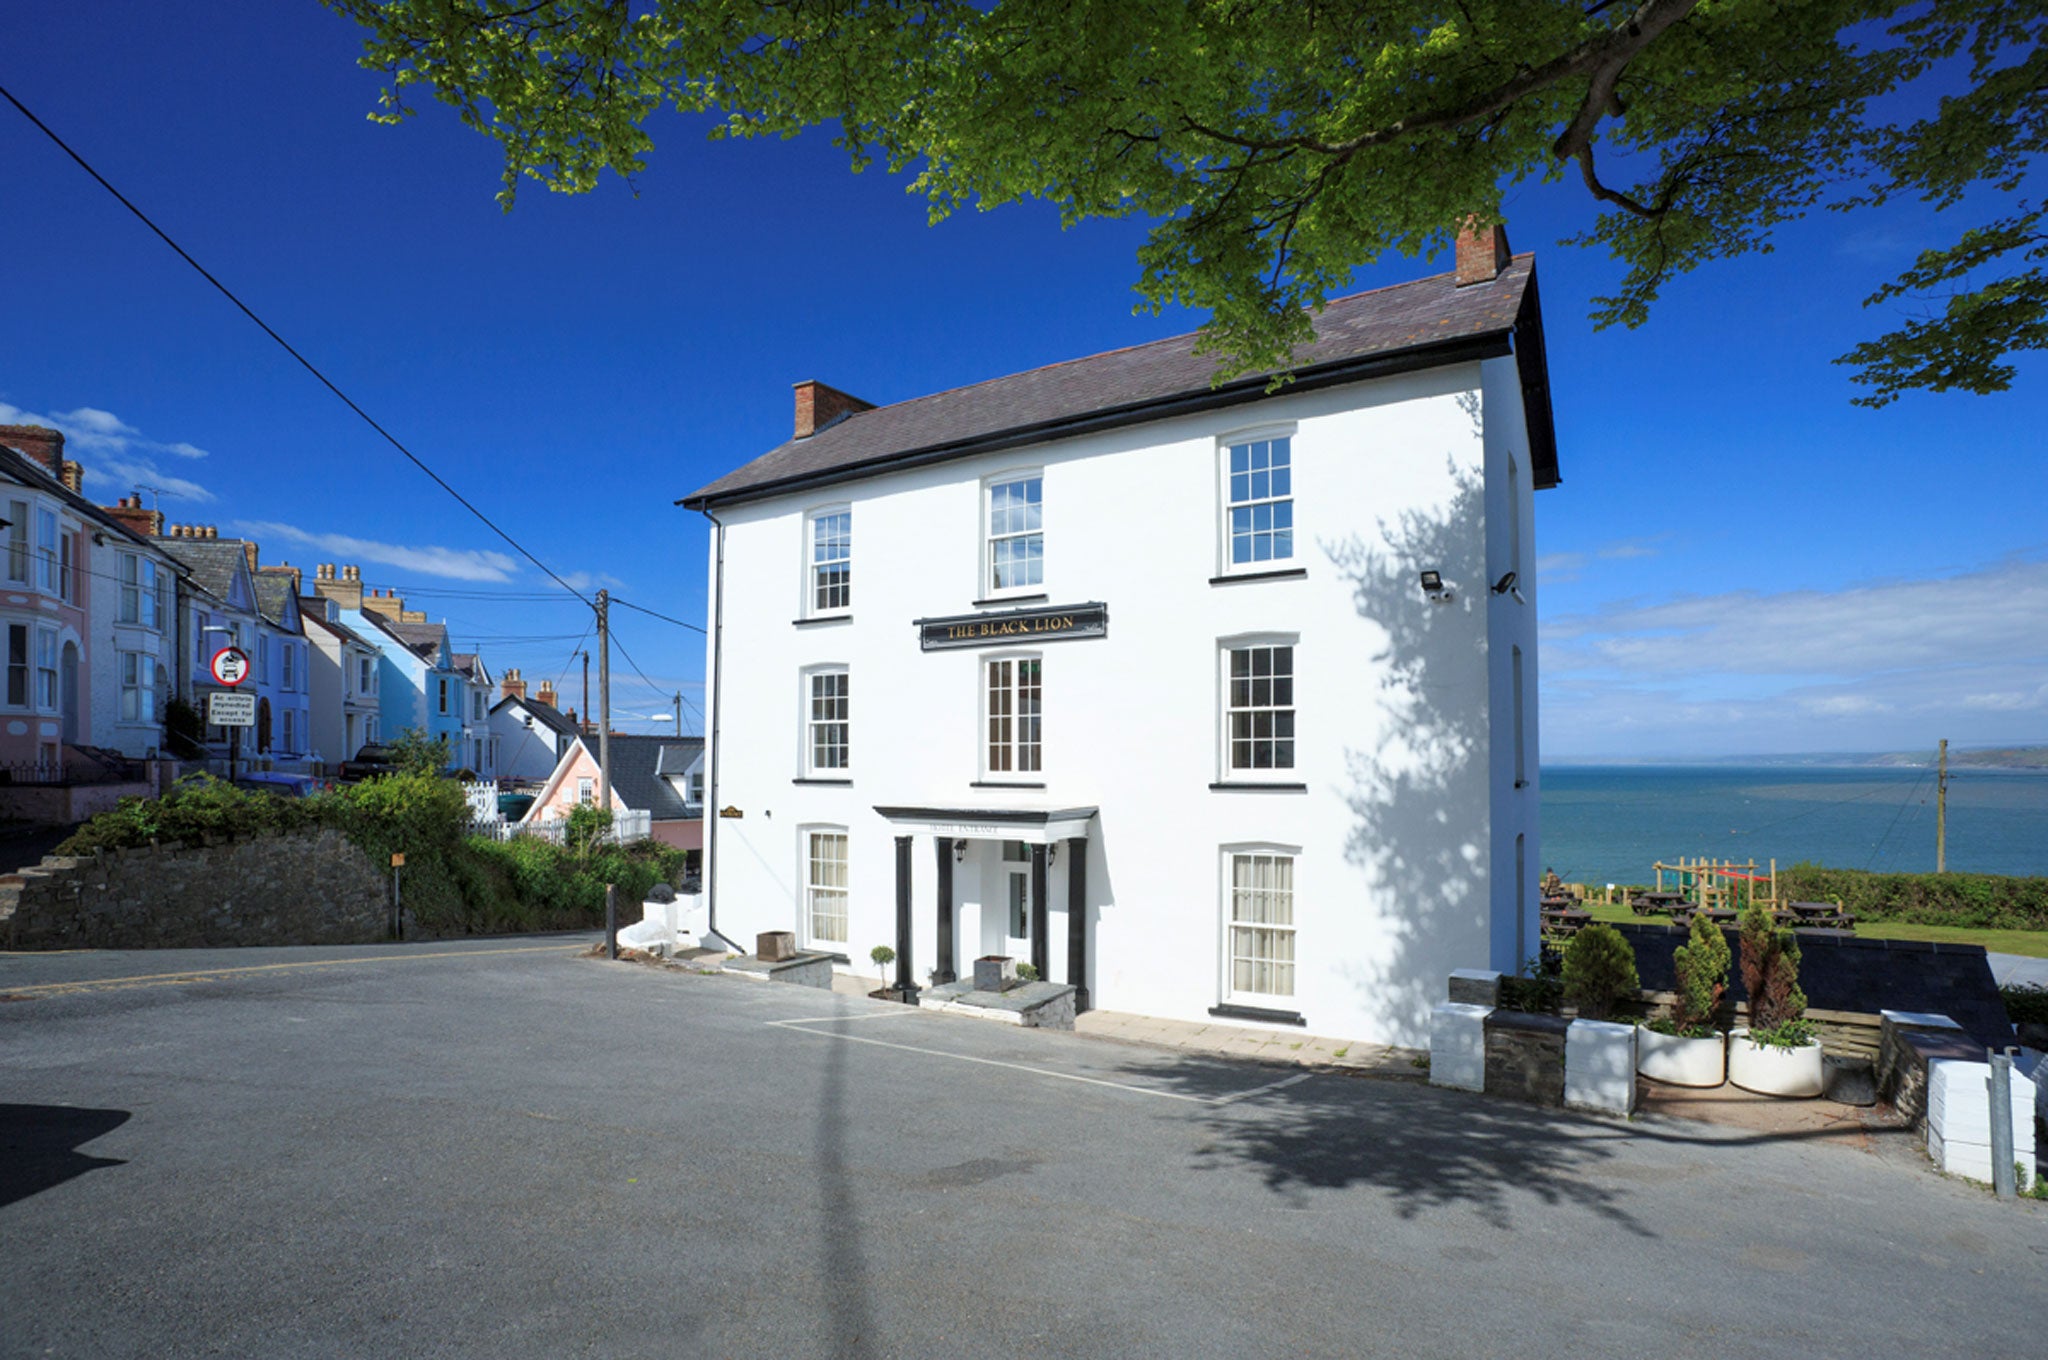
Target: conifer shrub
<point x="1770" y="974"/>
<point x="1701" y="968"/>
<point x="1600" y="971"/>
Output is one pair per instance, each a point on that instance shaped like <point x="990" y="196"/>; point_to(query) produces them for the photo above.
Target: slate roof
<point x="273" y="594"/>
<point x="1414" y="325"/>
<point x="427" y="639"/>
<point x="547" y="715"/>
<point x="636" y="765"/>
<point x="211" y="562"/>
<point x="464" y="663"/>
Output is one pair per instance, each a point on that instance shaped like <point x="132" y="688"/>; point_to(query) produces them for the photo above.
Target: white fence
<point x="628" y="825"/>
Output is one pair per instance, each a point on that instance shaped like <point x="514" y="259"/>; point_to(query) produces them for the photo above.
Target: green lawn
<point x="2032" y="943"/>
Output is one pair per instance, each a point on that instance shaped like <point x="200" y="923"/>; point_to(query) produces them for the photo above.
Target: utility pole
<point x="1941" y="813"/>
<point x="604" y="696"/>
<point x="679" y="714"/>
<point x="585" y="710"/>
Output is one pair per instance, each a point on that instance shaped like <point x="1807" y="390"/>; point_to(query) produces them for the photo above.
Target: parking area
<point x="501" y="1148"/>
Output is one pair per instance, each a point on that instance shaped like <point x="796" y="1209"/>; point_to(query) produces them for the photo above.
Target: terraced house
<point x="1212" y="701"/>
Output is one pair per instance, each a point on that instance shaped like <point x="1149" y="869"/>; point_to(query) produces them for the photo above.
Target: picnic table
<point x="1659" y="899"/>
<point x="1720" y="916"/>
<point x="1565" y="921"/>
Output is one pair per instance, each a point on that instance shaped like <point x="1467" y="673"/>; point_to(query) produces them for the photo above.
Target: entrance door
<point x="1017" y="899"/>
<point x="67" y="689"/>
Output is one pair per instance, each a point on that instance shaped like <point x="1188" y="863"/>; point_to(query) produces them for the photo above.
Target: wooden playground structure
<point x="1718" y="884"/>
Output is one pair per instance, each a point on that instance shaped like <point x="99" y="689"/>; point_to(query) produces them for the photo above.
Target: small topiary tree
<point x="1599" y="971"/>
<point x="1770" y="974"/>
<point x="883" y="956"/>
<point x="1701" y="965"/>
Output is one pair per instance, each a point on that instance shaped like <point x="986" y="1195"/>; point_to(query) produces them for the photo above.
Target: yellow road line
<point x="212" y="974"/>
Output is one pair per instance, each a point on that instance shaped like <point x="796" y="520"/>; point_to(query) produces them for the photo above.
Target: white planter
<point x="1678" y="1061"/>
<point x="1600" y="1066"/>
<point x="1771" y="1071"/>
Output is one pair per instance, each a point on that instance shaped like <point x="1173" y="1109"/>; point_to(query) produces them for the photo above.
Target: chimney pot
<point x="819" y="407"/>
<point x="1482" y="252"/>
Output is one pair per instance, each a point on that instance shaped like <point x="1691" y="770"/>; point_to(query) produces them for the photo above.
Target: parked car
<point x="279" y="783"/>
<point x="373" y="760"/>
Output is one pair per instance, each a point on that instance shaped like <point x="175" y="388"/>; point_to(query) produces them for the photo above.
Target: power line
<point x="284" y="344"/>
<point x="695" y="628"/>
<point x="654" y="687"/>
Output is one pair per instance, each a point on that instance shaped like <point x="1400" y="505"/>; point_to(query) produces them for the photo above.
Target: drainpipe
<point x="717" y="747"/>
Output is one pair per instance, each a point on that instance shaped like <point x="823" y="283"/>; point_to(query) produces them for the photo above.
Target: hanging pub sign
<point x="1056" y="624"/>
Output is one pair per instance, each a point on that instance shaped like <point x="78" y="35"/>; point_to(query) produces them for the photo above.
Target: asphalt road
<point x="500" y="1149"/>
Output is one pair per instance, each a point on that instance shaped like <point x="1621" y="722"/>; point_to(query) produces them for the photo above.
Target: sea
<point x="1611" y="823"/>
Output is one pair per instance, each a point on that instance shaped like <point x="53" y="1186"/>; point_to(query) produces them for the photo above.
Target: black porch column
<point x="944" y="962"/>
<point x="1041" y="949"/>
<point x="904" y="984"/>
<point x="1077" y="921"/>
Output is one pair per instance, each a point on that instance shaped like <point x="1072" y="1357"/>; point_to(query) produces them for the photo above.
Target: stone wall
<point x="310" y="887"/>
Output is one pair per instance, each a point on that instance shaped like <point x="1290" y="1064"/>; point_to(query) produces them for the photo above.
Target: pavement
<point x="508" y="1149"/>
<point x="2018" y="969"/>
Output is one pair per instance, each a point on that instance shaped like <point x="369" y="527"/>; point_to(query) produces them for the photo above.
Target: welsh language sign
<point x="225" y="708"/>
<point x="1057" y="624"/>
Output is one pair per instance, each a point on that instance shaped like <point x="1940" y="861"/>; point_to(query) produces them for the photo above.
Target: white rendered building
<point x="1216" y="701"/>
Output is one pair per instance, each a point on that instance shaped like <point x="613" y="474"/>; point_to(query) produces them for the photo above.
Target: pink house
<point x="660" y="776"/>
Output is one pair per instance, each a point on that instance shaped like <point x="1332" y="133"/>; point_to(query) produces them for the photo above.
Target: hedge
<point x="453" y="883"/>
<point x="1990" y="901"/>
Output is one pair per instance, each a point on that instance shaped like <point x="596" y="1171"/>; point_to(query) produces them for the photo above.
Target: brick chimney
<point x="345" y="590"/>
<point x="819" y="407"/>
<point x="72" y="475"/>
<point x="136" y="520"/>
<point x="385" y="603"/>
<point x="1482" y="253"/>
<point x="545" y="694"/>
<point x="40" y="444"/>
<point x="512" y="686"/>
<point x="248" y="551"/>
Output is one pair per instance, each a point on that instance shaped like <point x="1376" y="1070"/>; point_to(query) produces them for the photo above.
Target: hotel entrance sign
<point x="1055" y="624"/>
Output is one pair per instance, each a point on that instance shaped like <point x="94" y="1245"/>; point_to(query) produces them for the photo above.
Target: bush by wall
<point x="1981" y="900"/>
<point x="452" y="883"/>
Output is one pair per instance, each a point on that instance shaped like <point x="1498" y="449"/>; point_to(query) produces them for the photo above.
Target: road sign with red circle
<point x="231" y="665"/>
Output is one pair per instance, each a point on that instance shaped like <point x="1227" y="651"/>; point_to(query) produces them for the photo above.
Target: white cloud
<point x="117" y="457"/>
<point x="457" y="564"/>
<point x="591" y="580"/>
<point x="1878" y="665"/>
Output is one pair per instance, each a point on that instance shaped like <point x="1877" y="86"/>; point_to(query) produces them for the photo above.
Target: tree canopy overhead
<point x="1277" y="145"/>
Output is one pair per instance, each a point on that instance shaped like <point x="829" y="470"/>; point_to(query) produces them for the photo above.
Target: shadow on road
<point x="846" y="1272"/>
<point x="39" y="1146"/>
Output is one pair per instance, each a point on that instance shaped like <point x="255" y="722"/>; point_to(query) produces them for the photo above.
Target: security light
<point x="1434" y="587"/>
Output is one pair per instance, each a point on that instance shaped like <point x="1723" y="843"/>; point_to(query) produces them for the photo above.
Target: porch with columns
<point x="1049" y="834"/>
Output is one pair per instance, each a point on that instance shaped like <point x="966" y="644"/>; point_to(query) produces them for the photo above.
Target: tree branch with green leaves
<point x="1276" y="146"/>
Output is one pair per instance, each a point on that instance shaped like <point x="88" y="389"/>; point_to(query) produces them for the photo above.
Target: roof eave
<point x="1490" y="344"/>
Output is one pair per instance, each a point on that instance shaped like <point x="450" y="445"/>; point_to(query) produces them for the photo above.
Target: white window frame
<point x="818" y="602"/>
<point x="989" y="537"/>
<point x="1228" y="940"/>
<point x="817" y="889"/>
<point x="17" y="542"/>
<point x="138" y="687"/>
<point x="48" y="530"/>
<point x="49" y="660"/>
<point x="814" y="722"/>
<point x="1228" y="501"/>
<point x="442" y="694"/>
<point x="67" y="566"/>
<point x="1013" y="768"/>
<point x="290" y="680"/>
<point x="20" y="691"/>
<point x="586" y="791"/>
<point x="1229" y="770"/>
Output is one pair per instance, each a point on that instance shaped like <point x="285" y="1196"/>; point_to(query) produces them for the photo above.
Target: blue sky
<point x="1738" y="560"/>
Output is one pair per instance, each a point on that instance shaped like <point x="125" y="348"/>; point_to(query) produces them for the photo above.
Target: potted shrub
<point x="1777" y="1055"/>
<point x="1687" y="1050"/>
<point x="1599" y="974"/>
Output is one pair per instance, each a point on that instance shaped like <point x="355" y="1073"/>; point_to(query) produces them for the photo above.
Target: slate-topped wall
<point x="310" y="887"/>
<point x="1866" y="976"/>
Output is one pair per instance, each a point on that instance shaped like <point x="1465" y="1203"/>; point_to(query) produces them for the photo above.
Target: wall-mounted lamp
<point x="1506" y="586"/>
<point x="1052" y="853"/>
<point x="1433" y="586"/>
<point x="959" y="852"/>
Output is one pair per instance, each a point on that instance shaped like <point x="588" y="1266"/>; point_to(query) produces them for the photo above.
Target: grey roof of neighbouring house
<point x="311" y="611"/>
<point x="273" y="594"/>
<point x="1422" y="324"/>
<point x="637" y="762"/>
<point x="547" y="715"/>
<point x="211" y="562"/>
<point x="427" y="639"/>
